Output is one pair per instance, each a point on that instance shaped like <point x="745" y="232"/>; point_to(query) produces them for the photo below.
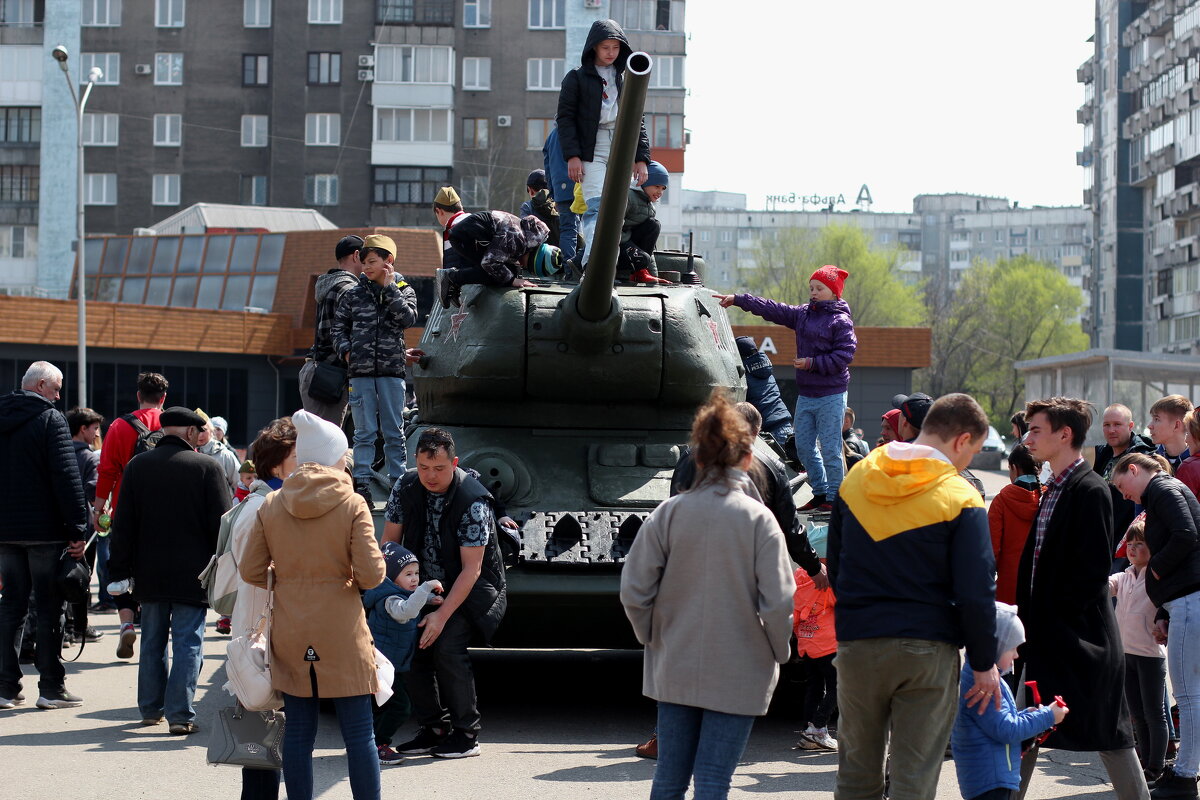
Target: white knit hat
<point x="219" y="422"/>
<point x="318" y="441"/>
<point x="1010" y="633"/>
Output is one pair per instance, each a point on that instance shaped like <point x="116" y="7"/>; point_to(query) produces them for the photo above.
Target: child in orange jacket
<point x="816" y="644"/>
<point x="1010" y="518"/>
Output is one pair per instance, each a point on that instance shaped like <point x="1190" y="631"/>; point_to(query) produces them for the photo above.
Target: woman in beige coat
<point x="708" y="588"/>
<point x="318" y="536"/>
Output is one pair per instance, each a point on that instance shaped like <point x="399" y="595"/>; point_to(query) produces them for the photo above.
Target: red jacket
<point x="1010" y="518"/>
<point x="812" y="621"/>
<point x="1189" y="473"/>
<point x="116" y="452"/>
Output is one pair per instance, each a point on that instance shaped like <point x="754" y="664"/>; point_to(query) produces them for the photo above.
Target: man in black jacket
<point x="1119" y="439"/>
<point x="329" y="290"/>
<point x="44" y="512"/>
<point x="448" y="519"/>
<point x="163" y="535"/>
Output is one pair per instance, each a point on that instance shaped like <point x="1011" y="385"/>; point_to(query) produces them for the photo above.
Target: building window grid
<point x="254" y="190"/>
<point x="99" y="189"/>
<point x="168" y="69"/>
<point x="418" y="12"/>
<point x="475" y="133"/>
<point x="19" y="184"/>
<point x="407" y="185"/>
<point x="19" y="125"/>
<point x="165" y="190"/>
<point x="475" y="191"/>
<point x="547" y="14"/>
<point x="100" y="13"/>
<point x="477" y="13"/>
<point x="321" y="190"/>
<point x="414" y="64"/>
<point x="18" y="241"/>
<point x="168" y="130"/>
<point x="323" y="130"/>
<point x="169" y="13"/>
<point x="256" y="14"/>
<point x="254" y="130"/>
<point x="324" y="68"/>
<point x="476" y="74"/>
<point x="325" y="12"/>
<point x="668" y="73"/>
<point x="405" y="125"/>
<point x="101" y="130"/>
<point x="256" y="69"/>
<point x="544" y="74"/>
<point x="665" y="131"/>
<point x="648" y="15"/>
<point x="536" y="132"/>
<point x="109" y="64"/>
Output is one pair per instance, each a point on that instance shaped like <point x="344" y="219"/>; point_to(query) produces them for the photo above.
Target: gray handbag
<point x="244" y="738"/>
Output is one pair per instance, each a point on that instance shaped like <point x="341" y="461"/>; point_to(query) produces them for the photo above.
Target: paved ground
<point x="557" y="724"/>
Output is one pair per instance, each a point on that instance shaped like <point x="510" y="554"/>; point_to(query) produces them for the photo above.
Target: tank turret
<point x="572" y="402"/>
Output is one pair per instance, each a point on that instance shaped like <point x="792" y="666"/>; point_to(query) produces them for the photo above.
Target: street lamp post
<point x="94" y="74"/>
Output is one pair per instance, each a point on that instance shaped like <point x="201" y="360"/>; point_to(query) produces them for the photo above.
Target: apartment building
<point x="360" y="110"/>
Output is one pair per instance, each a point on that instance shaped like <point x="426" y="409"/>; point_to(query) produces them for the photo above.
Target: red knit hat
<point x="831" y="276"/>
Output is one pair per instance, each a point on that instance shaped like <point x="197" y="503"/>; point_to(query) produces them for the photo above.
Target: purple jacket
<point x="824" y="333"/>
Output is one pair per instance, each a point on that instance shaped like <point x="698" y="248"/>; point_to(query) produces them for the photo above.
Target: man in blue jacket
<point x="910" y="560"/>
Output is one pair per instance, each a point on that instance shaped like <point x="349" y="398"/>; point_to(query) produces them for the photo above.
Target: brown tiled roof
<point x="877" y="347"/>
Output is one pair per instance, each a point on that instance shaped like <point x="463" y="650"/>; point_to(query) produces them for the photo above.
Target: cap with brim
<point x="915" y="407"/>
<point x="180" y="417"/>
<point x="347" y="245"/>
<point x="380" y="241"/>
<point x="446" y="196"/>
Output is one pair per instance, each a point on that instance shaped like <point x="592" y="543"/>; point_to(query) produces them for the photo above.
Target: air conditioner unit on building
<point x="504" y="121"/>
<point x="142" y="69"/>
<point x="366" y="61"/>
<point x="366" y="74"/>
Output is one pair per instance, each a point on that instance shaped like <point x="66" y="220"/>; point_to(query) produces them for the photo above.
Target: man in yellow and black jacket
<point x="910" y="561"/>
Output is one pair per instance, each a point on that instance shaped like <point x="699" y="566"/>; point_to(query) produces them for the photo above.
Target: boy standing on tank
<point x="587" y="117"/>
<point x="825" y="345"/>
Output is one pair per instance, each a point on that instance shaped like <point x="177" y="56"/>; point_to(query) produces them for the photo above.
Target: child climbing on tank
<point x="639" y="232"/>
<point x="825" y="345"/>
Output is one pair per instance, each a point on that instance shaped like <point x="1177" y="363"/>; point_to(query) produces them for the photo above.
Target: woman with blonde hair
<point x="708" y="588"/>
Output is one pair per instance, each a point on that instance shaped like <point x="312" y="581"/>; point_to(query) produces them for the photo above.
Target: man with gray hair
<point x="45" y="515"/>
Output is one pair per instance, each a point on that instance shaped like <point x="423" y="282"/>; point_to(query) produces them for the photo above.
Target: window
<point x="477" y="74"/>
<point x="421" y="12"/>
<point x="475" y="191"/>
<point x="665" y="130"/>
<point x="101" y="13"/>
<point x="999" y="236"/>
<point x="407" y="185"/>
<point x="166" y="190"/>
<point x="325" y="12"/>
<point x="109" y="64"/>
<point x="726" y="236"/>
<point x="254" y="190"/>
<point x="475" y="133"/>
<point x="99" y="189"/>
<point x="17" y="13"/>
<point x="648" y="15"/>
<point x="168" y="130"/>
<point x="536" y="131"/>
<point x="547" y="14"/>
<point x="254" y="130"/>
<point x="544" y="74"/>
<point x="412" y="125"/>
<point x="19" y="184"/>
<point x="168" y="69"/>
<point x="323" y="130"/>
<point x="256" y="70"/>
<point x="19" y="241"/>
<point x="668" y="73"/>
<point x="20" y="125"/>
<point x="477" y="13"/>
<point x="168" y="13"/>
<point x="412" y="64"/>
<point x="101" y="130"/>
<point x="321" y="190"/>
<point x="704" y="236"/>
<point x="256" y="13"/>
<point x="324" y="68"/>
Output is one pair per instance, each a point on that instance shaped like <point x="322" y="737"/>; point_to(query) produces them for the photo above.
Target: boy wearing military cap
<point x="368" y="333"/>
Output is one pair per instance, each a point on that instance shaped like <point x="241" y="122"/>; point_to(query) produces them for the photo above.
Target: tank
<point x="572" y="401"/>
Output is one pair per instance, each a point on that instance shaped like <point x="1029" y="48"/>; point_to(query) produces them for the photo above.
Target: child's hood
<point x="831" y="307"/>
<point x="1022" y="503"/>
<point x="605" y="29"/>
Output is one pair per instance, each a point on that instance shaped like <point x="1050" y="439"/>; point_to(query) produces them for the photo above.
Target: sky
<point x="923" y="97"/>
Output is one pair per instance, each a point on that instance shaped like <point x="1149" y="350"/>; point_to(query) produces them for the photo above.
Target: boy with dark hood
<point x="587" y="116"/>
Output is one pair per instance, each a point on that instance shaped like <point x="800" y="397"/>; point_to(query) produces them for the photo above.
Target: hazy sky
<point x="928" y="96"/>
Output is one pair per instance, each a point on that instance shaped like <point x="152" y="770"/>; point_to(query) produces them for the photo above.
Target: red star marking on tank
<point x="716" y="334"/>
<point x="456" y="321"/>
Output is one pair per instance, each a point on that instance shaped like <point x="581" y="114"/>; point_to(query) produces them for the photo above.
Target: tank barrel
<point x="595" y="293"/>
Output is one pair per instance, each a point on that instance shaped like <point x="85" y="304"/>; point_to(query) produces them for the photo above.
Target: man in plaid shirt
<point x="1072" y="647"/>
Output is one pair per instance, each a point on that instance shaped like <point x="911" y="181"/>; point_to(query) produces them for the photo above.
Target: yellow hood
<point x="898" y="490"/>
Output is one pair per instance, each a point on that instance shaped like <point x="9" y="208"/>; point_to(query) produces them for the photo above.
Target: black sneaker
<point x="424" y="742"/>
<point x="364" y="489"/>
<point x="459" y="744"/>
<point x="60" y="699"/>
<point x="1170" y="786"/>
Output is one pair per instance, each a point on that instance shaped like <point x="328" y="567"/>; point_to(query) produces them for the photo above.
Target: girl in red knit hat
<point x="825" y="345"/>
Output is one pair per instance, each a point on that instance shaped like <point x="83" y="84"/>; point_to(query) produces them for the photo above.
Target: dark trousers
<point x="645" y="238"/>
<point x="30" y="569"/>
<point x="994" y="794"/>
<point x="392" y="714"/>
<point x="1145" y="677"/>
<point x="441" y="680"/>
<point x="260" y="784"/>
<point x="820" y="695"/>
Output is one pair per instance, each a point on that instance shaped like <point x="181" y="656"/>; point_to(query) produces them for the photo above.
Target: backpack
<point x="146" y="438"/>
<point x="220" y="576"/>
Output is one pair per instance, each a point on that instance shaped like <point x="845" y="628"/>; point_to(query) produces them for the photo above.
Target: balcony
<point x="1085" y="114"/>
<point x="30" y="33"/>
<point x="1086" y="72"/>
<point x="414" y="12"/>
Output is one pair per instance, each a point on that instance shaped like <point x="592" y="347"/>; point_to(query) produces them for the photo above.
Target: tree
<point x="1001" y="313"/>
<point x="874" y="291"/>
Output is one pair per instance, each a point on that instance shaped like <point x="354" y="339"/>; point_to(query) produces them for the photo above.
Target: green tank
<point x="572" y="401"/>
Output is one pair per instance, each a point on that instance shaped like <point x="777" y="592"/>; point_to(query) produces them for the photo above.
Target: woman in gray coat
<point x="708" y="588"/>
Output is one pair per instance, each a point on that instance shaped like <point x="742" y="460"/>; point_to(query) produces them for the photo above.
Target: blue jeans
<point x="568" y="229"/>
<point x="700" y="744"/>
<point x="30" y="569"/>
<point x="163" y="692"/>
<point x="1183" y="661"/>
<point x="820" y="418"/>
<point x="102" y="595"/>
<point x="300" y="735"/>
<point x="377" y="404"/>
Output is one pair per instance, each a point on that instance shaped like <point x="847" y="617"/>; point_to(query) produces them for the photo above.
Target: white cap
<point x="219" y="422"/>
<point x="318" y="441"/>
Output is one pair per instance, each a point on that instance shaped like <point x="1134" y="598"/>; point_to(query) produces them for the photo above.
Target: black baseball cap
<point x="347" y="245"/>
<point x="537" y="180"/>
<point x="914" y="407"/>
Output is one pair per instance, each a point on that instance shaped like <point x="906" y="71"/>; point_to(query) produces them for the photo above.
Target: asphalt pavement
<point x="559" y="724"/>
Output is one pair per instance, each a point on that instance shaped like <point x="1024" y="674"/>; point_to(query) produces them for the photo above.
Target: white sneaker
<point x="59" y="699"/>
<point x="820" y="738"/>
